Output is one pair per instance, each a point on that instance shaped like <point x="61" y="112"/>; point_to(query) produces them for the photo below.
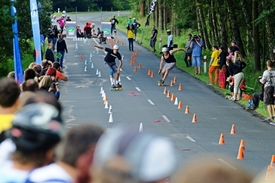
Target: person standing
<point x="49" y="53"/>
<point x="61" y="48"/>
<point x="153" y="38"/>
<point x="196" y="46"/>
<point x="61" y="22"/>
<point x="170" y="44"/>
<point x="130" y="35"/>
<point x="223" y="74"/>
<point x="188" y="53"/>
<point x="170" y="62"/>
<point x="136" y="25"/>
<point x="268" y="79"/>
<point x="110" y="62"/>
<point x="114" y="22"/>
<point x="213" y="65"/>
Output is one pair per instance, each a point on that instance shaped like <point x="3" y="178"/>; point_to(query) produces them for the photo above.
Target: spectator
<point x="102" y="38"/>
<point x="170" y="44"/>
<point x="49" y="53"/>
<point x="61" y="48"/>
<point x="125" y="155"/>
<point x="238" y="60"/>
<point x="209" y="169"/>
<point x="68" y="19"/>
<point x="188" y="53"/>
<point x="74" y="156"/>
<point x="130" y="21"/>
<point x="130" y="35"/>
<point x="11" y="75"/>
<point x="34" y="134"/>
<point x="114" y="22"/>
<point x="196" y="46"/>
<point x="9" y="101"/>
<point x="98" y="31"/>
<point x="30" y="85"/>
<point x="214" y="65"/>
<point x="61" y="22"/>
<point x="136" y="25"/>
<point x="87" y="30"/>
<point x="223" y="74"/>
<point x="79" y="34"/>
<point x="153" y="38"/>
<point x="47" y="84"/>
<point x="59" y="75"/>
<point x="268" y="80"/>
<point x="56" y="32"/>
<point x="29" y="74"/>
<point x="256" y="97"/>
<point x="45" y="65"/>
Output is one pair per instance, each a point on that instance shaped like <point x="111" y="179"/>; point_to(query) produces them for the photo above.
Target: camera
<point x="194" y="37"/>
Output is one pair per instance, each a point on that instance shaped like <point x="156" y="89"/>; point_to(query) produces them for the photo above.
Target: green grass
<point x="250" y="77"/>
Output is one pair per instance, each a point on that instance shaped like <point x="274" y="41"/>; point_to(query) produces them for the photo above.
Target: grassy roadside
<point x="144" y="34"/>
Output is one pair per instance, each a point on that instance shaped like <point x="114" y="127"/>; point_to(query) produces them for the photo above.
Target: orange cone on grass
<point x="180" y="105"/>
<point x="165" y="91"/>
<point x="221" y="141"/>
<point x="187" y="110"/>
<point x="233" y="129"/>
<point x="148" y="72"/>
<point x="172" y="97"/>
<point x="180" y="87"/>
<point x="194" y="120"/>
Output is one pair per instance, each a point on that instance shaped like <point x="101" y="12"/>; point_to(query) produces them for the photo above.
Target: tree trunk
<point x="222" y="27"/>
<point x="215" y="22"/>
<point x="160" y="24"/>
<point x="203" y="28"/>
<point x="235" y="27"/>
<point x="142" y="9"/>
<point x="256" y="38"/>
<point x="164" y="15"/>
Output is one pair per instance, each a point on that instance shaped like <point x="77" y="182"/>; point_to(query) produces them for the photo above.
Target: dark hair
<point x="222" y="48"/>
<point x="190" y="35"/>
<point x="216" y="47"/>
<point x="270" y="63"/>
<point x="77" y="141"/>
<point x="29" y="74"/>
<point x="9" y="92"/>
<point x="30" y="85"/>
<point x="56" y="65"/>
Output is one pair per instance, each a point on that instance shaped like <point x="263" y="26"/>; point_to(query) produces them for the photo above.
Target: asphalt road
<point x="142" y="101"/>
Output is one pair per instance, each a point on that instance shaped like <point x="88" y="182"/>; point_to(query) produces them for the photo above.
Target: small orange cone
<point x="187" y="110"/>
<point x="152" y="74"/>
<point x="139" y="66"/>
<point x="240" y="154"/>
<point x="233" y="129"/>
<point x="105" y="99"/>
<point x="131" y="62"/>
<point x="171" y="83"/>
<point x="148" y="72"/>
<point x="272" y="163"/>
<point x="165" y="91"/>
<point x="180" y="105"/>
<point x="194" y="120"/>
<point x="135" y="68"/>
<point x="242" y="145"/>
<point x="168" y="94"/>
<point x="172" y="97"/>
<point x="175" y="79"/>
<point x="136" y="53"/>
<point x="180" y="87"/>
<point x="134" y="60"/>
<point x="221" y="141"/>
<point x="133" y="55"/>
<point x="80" y="57"/>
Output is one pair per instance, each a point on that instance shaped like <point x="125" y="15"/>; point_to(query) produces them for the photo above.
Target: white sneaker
<point x="232" y="99"/>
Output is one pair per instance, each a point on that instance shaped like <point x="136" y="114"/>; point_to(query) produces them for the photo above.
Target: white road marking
<point x="128" y="78"/>
<point x="150" y="101"/>
<point x="221" y="160"/>
<point x="190" y="138"/>
<point x="165" y="118"/>
<point x="137" y="88"/>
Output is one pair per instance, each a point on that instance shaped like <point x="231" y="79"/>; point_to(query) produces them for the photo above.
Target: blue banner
<point x="18" y="70"/>
<point x="36" y="31"/>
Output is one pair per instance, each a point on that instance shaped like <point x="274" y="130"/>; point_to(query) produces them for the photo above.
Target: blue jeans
<point x="131" y="44"/>
<point x="61" y="59"/>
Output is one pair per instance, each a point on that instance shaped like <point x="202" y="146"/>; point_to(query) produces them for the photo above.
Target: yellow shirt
<point x="130" y="34"/>
<point x="215" y="56"/>
<point x="5" y="121"/>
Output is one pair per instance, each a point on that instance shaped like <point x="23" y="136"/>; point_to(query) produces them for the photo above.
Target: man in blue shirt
<point x="196" y="46"/>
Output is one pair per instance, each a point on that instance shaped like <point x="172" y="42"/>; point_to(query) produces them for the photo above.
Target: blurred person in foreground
<point x="74" y="156"/>
<point x="36" y="129"/>
<point x="126" y="155"/>
<point x="210" y="169"/>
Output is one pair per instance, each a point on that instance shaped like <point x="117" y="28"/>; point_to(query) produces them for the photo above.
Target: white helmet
<point x="116" y="47"/>
<point x="164" y="49"/>
<point x="168" y="30"/>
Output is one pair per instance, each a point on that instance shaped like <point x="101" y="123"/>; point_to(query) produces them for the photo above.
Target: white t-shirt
<point x="7" y="147"/>
<point x="50" y="173"/>
<point x="9" y="174"/>
<point x="170" y="38"/>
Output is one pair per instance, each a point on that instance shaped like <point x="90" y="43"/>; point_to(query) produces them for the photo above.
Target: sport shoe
<point x="209" y="84"/>
<point x="118" y="85"/>
<point x="269" y="119"/>
<point x="232" y="99"/>
<point x="113" y="86"/>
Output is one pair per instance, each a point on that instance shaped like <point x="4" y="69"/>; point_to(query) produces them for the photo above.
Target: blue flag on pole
<point x="36" y="31"/>
<point x="18" y="70"/>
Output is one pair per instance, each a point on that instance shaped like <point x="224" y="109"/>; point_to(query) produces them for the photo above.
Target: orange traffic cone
<point x="194" y="120"/>
<point x="221" y="141"/>
<point x="240" y="154"/>
<point x="268" y="172"/>
<point x="105" y="99"/>
<point x="133" y="55"/>
<point x="272" y="163"/>
<point x="131" y="62"/>
<point x="165" y="90"/>
<point x="136" y="53"/>
<point x="139" y="66"/>
<point x="135" y="68"/>
<point x="135" y="60"/>
<point x="168" y="94"/>
<point x="242" y="145"/>
<point x="233" y="129"/>
<point x="172" y="97"/>
<point x="80" y="57"/>
<point x="175" y="79"/>
<point x="180" y="105"/>
<point x="187" y="110"/>
<point x="171" y="83"/>
<point x="152" y="74"/>
<point x="180" y="87"/>
<point x="148" y="72"/>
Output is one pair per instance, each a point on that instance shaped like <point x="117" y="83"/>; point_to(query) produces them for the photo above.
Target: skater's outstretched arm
<point x="161" y="63"/>
<point x="99" y="47"/>
<point x="175" y="50"/>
